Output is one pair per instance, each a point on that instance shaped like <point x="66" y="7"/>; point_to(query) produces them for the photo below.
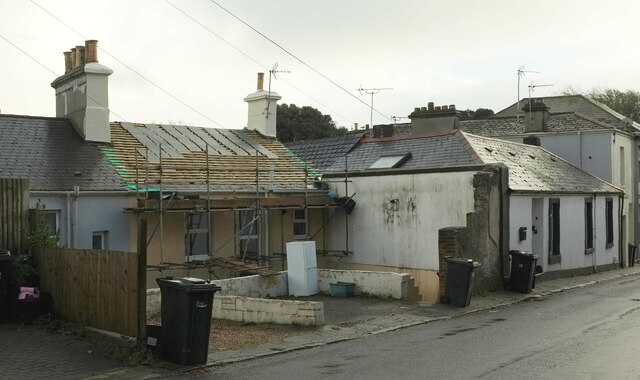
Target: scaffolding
<point x="261" y="199"/>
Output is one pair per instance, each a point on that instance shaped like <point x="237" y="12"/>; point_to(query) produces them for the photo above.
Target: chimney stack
<point x="260" y="81"/>
<point x="91" y="51"/>
<point x="434" y="119"/>
<point x="536" y="116"/>
<point x="531" y="140"/>
<point x="82" y="93"/>
<point x="262" y="109"/>
<point x="355" y="126"/>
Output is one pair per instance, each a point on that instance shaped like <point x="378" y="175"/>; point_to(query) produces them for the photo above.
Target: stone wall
<point x="262" y="310"/>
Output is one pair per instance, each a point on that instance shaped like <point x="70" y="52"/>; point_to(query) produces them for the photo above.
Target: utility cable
<point x="130" y="68"/>
<point x="252" y="59"/>
<point x="299" y="60"/>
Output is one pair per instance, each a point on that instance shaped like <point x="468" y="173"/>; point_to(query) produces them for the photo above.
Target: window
<point x="609" y="215"/>
<point x="588" y="225"/>
<point x="554" y="231"/>
<point x="249" y="245"/>
<point x="53" y="221"/>
<point x="99" y="240"/>
<point x="196" y="236"/>
<point x="390" y="161"/>
<point x="300" y="224"/>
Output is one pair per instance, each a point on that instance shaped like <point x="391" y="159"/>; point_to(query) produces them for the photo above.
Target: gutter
<point x="392" y="171"/>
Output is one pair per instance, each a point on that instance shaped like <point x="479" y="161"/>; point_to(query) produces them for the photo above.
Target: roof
<point x="573" y="104"/>
<point x="50" y="153"/>
<point x="323" y="152"/>
<point x="534" y="169"/>
<point x="557" y="123"/>
<point x="233" y="157"/>
<point x="531" y="168"/>
<point x="436" y="151"/>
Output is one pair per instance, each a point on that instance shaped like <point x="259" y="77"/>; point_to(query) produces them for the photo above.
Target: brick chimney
<point x="82" y="93"/>
<point x="430" y="119"/>
<point x="536" y="116"/>
<point x="262" y="109"/>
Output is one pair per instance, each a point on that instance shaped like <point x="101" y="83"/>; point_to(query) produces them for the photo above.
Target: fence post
<point x="142" y="280"/>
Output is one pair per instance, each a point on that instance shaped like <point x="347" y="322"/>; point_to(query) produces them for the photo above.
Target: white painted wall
<point x="572" y="231"/>
<point x="598" y="153"/>
<point x="397" y="217"/>
<point x="94" y="213"/>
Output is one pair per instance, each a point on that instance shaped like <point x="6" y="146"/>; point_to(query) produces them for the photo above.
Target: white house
<point x="508" y="195"/>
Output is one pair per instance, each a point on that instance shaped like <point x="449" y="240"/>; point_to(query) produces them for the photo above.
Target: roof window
<point x="388" y="161"/>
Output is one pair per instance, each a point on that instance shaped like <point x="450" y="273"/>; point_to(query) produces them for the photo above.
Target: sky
<point x="191" y="62"/>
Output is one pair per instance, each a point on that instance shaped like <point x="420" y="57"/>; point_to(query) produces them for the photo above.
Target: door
<point x="537" y="227"/>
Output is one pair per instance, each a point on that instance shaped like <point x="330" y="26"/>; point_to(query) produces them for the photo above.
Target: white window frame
<point x="244" y="235"/>
<point x="195" y="231"/>
<point x="104" y="235"/>
<point x="57" y="221"/>
<point x="301" y="220"/>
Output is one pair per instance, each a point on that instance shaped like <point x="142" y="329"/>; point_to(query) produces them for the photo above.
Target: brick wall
<point x="448" y="245"/>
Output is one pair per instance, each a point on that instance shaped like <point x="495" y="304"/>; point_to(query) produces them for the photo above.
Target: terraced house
<point x="207" y="193"/>
<point x="435" y="190"/>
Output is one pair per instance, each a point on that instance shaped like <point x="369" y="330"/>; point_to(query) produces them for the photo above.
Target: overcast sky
<point x="450" y="52"/>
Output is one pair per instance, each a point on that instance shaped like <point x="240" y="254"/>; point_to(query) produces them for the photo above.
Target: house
<point x="586" y="133"/>
<point x="207" y="194"/>
<point x="506" y="196"/>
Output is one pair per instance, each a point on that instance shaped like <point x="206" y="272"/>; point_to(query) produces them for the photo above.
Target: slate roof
<point x="570" y="104"/>
<point x="435" y="151"/>
<point x="233" y="157"/>
<point x="323" y="152"/>
<point x="50" y="153"/>
<point x="531" y="168"/>
<point x="534" y="169"/>
<point x="557" y="123"/>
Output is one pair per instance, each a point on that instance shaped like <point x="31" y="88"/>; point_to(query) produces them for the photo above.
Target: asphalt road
<point x="587" y="333"/>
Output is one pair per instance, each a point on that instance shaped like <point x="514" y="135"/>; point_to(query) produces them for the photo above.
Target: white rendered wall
<point x="397" y="217"/>
<point x="572" y="231"/>
<point x="94" y="213"/>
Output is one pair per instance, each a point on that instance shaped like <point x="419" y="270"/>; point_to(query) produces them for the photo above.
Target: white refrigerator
<point x="302" y="268"/>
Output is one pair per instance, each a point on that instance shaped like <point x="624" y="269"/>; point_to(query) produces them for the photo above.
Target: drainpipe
<point x="595" y="228"/>
<point x="68" y="221"/>
<point x="620" y="247"/>
<point x="580" y="148"/>
<point x="76" y="190"/>
<point x="636" y="192"/>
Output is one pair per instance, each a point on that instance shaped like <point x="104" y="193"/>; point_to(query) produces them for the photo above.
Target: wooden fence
<point x="93" y="288"/>
<point x="14" y="208"/>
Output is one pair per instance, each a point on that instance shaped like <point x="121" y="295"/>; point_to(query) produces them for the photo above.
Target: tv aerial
<point x="521" y="74"/>
<point x="272" y="73"/>
<point x="371" y="91"/>
<point x="532" y="87"/>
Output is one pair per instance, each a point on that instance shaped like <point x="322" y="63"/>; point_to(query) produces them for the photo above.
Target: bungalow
<point x="208" y="194"/>
<point x="507" y="196"/>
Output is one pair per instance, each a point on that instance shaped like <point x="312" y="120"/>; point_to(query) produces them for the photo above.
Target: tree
<point x="295" y="123"/>
<point x="625" y="102"/>
<point x="479" y="114"/>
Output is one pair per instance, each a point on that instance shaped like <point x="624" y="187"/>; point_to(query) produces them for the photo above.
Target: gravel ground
<point x="229" y="335"/>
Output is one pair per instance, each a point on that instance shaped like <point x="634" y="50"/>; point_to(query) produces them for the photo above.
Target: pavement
<point x="30" y="352"/>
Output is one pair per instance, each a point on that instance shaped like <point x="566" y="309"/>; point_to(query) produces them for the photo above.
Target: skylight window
<point x="388" y="161"/>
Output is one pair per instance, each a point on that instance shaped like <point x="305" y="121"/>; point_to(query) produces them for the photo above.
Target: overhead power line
<point x="251" y="58"/>
<point x="55" y="74"/>
<point x="298" y="59"/>
<point x="130" y="68"/>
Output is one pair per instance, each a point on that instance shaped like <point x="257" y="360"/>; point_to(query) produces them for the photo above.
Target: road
<point x="587" y="333"/>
